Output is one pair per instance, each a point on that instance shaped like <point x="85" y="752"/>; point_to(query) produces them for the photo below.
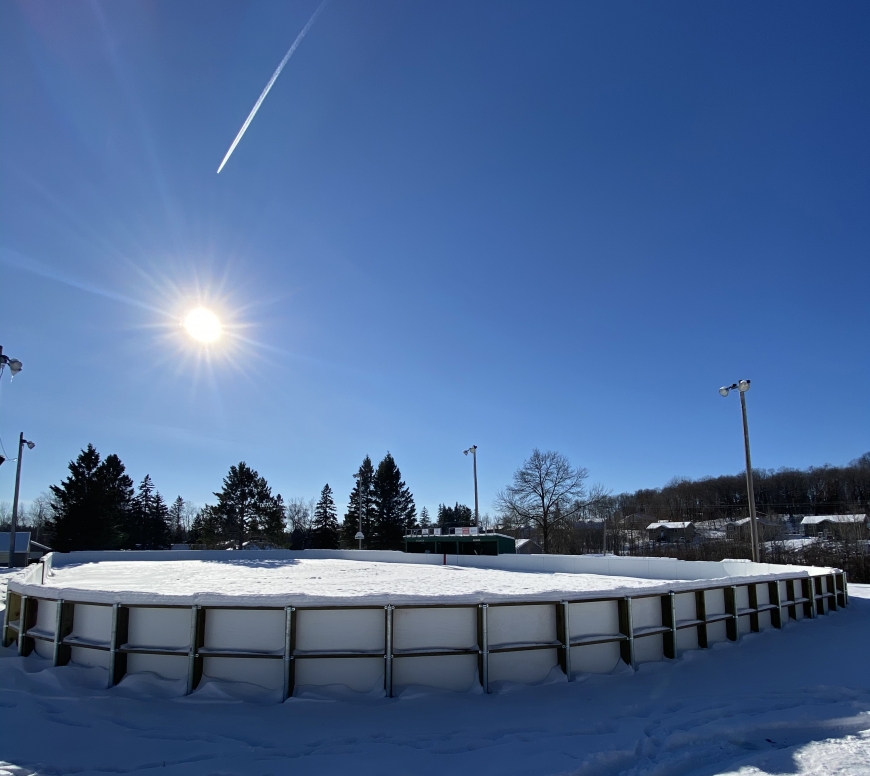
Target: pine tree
<point x="325" y="530"/>
<point x="395" y="512"/>
<point x="425" y="522"/>
<point x="176" y="520"/>
<point x="92" y="505"/>
<point x="206" y="529"/>
<point x="272" y="517"/>
<point x="246" y="508"/>
<point x="364" y="489"/>
<point x="455" y="515"/>
<point x="148" y="521"/>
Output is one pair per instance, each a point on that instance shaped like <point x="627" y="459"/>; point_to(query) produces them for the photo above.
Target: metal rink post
<point x="388" y="650"/>
<point x="754" y="625"/>
<point x="626" y="628"/>
<point x="23" y="625"/>
<point x="289" y="647"/>
<point x="565" y="637"/>
<point x="63" y="625"/>
<point x="58" y="634"/>
<point x="113" y="645"/>
<point x="483" y="647"/>
<point x="776" y="600"/>
<point x="732" y="624"/>
<point x="7" y="618"/>
<point x="194" y="661"/>
<point x="669" y="620"/>
<point x="701" y="616"/>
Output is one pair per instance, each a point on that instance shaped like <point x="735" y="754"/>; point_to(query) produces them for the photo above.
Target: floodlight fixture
<point x="15" y="366"/>
<point x="30" y="445"/>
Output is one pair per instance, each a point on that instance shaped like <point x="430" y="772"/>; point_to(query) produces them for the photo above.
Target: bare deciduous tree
<point x="547" y="492"/>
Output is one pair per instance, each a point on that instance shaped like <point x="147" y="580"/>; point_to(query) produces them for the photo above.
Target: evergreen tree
<point x="425" y="522"/>
<point x="148" y="521"/>
<point x="325" y="531"/>
<point x="176" y="520"/>
<point x="92" y="505"/>
<point x="364" y="489"/>
<point x="272" y="518"/>
<point x="455" y="515"/>
<point x="245" y="508"/>
<point x="206" y="529"/>
<point x="395" y="512"/>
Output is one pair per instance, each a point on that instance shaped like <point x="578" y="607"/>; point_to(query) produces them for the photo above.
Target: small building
<point x="835" y="526"/>
<point x="26" y="551"/>
<point x="768" y="530"/>
<point x="528" y="547"/>
<point x="462" y="540"/>
<point x="671" y="532"/>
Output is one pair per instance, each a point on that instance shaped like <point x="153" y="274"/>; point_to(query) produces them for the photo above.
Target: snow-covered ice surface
<point x="325" y="581"/>
<point x="794" y="702"/>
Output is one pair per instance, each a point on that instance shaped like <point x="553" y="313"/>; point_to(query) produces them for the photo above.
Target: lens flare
<point x="203" y="325"/>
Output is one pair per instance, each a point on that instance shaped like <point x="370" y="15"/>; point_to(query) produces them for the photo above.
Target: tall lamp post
<point x="30" y="445"/>
<point x="743" y="386"/>
<point x="359" y="534"/>
<point x="473" y="451"/>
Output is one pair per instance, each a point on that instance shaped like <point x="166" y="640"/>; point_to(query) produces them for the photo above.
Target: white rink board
<point x="360" y="624"/>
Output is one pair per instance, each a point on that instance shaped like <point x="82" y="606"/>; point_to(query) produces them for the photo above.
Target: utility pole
<point x="743" y="386"/>
<point x="359" y="534"/>
<point x="473" y="451"/>
<point x="30" y="445"/>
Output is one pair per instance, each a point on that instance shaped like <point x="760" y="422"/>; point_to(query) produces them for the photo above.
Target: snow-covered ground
<point x="330" y="581"/>
<point x="5" y="575"/>
<point x="775" y="703"/>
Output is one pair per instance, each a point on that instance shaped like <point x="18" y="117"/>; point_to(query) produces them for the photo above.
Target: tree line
<point x="817" y="490"/>
<point x="97" y="507"/>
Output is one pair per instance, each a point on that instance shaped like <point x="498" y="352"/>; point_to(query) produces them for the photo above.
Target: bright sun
<point x="203" y="325"/>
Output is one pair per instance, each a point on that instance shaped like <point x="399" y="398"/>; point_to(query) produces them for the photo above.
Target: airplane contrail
<point x="272" y="82"/>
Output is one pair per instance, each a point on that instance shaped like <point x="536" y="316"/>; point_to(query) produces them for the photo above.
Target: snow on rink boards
<point x="292" y="623"/>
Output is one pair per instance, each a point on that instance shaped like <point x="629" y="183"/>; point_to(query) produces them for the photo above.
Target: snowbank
<point x="762" y="706"/>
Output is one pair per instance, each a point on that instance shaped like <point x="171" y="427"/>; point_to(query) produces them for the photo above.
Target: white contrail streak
<point x="272" y="82"/>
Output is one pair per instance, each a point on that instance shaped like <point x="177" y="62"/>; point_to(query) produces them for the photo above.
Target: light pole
<point x="15" y="366"/>
<point x="473" y="451"/>
<point x="359" y="534"/>
<point x="30" y="445"/>
<point x="743" y="386"/>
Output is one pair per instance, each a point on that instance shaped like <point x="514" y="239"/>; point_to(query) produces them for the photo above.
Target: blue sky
<point x="508" y="224"/>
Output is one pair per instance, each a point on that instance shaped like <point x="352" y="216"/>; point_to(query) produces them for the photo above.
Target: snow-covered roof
<point x="761" y="520"/>
<point x="654" y="526"/>
<point x="816" y="519"/>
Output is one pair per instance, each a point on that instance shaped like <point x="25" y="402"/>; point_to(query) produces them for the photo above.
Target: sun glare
<point x="203" y="325"/>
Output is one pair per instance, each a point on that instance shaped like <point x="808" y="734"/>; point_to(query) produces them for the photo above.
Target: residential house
<point x="671" y="532"/>
<point x="768" y="530"/>
<point x="835" y="526"/>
